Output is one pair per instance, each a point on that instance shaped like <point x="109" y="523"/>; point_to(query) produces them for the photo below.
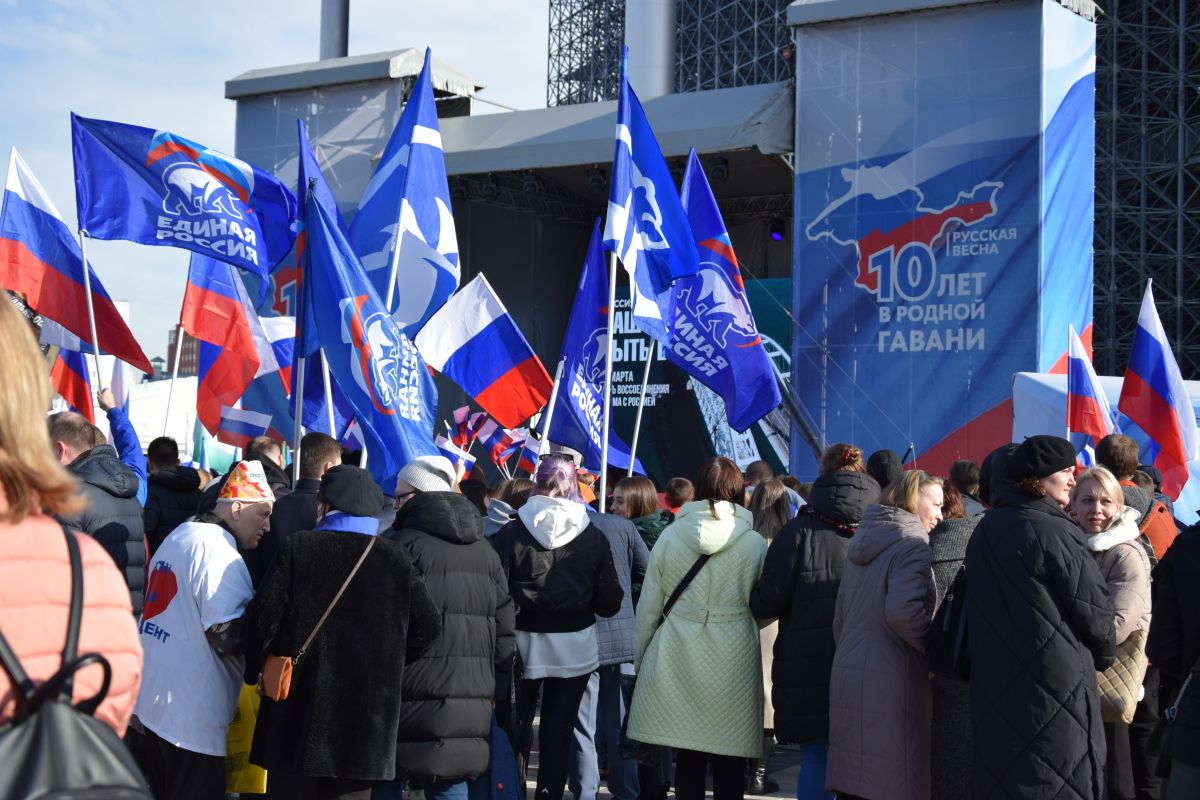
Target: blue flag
<point x="315" y="414"/>
<point x="154" y="187"/>
<point x="713" y="335"/>
<point x="646" y="226"/>
<point x="578" y="420"/>
<point x="406" y="206"/>
<point x="378" y="368"/>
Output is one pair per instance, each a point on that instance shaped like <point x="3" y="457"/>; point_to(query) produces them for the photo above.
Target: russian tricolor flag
<point x="1087" y="407"/>
<point x="69" y="377"/>
<point x="1153" y="396"/>
<point x="457" y="455"/>
<point x="40" y="259"/>
<point x="495" y="440"/>
<point x="239" y="425"/>
<point x="474" y="341"/>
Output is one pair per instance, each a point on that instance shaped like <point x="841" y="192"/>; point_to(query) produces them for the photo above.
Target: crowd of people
<point x="402" y="638"/>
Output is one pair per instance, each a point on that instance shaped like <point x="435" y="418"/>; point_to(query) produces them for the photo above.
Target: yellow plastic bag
<point x="240" y="774"/>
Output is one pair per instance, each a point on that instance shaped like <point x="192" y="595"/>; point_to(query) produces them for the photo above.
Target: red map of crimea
<point x="969" y="209"/>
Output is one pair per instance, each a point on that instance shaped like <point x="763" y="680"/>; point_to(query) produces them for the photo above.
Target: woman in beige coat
<point x="1113" y="538"/>
<point x="880" y="703"/>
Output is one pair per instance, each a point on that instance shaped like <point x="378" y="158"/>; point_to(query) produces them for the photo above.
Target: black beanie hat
<point x="351" y="490"/>
<point x="1040" y="456"/>
<point x="885" y="467"/>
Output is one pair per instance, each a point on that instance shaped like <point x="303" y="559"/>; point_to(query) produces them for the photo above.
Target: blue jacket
<point x="615" y="634"/>
<point x="125" y="440"/>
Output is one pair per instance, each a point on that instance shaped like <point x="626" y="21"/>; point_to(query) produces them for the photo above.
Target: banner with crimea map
<point x="943" y="221"/>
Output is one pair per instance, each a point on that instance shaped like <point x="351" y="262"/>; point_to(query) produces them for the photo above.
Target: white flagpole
<point x="395" y="268"/>
<point x="87" y="290"/>
<point x="612" y="301"/>
<point x="328" y="393"/>
<point x="362" y="461"/>
<point x="298" y="429"/>
<point x="637" y="423"/>
<point x="553" y="401"/>
<point x="174" y="373"/>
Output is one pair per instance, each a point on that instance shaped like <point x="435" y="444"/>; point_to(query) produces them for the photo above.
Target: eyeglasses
<point x="396" y="500"/>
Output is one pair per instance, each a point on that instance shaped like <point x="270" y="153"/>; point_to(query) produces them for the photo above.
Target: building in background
<point x="189" y="353"/>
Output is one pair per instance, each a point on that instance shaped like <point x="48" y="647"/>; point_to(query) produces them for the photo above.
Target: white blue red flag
<point x="406" y="207"/>
<point x="713" y="336"/>
<point x="158" y="188"/>
<point x="494" y="439"/>
<point x="646" y="225"/>
<point x="578" y="418"/>
<point x="1154" y="397"/>
<point x="239" y="426"/>
<point x="70" y="378"/>
<point x="380" y="371"/>
<point x="457" y="455"/>
<point x="1087" y="407"/>
<point x="40" y="258"/>
<point x="517" y="439"/>
<point x="474" y="342"/>
<point x="528" y="460"/>
<point x="214" y="312"/>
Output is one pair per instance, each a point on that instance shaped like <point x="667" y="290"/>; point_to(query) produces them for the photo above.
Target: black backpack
<point x="946" y="642"/>
<point x="52" y="750"/>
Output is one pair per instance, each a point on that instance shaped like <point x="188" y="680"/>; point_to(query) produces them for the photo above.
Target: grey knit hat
<point x="429" y="474"/>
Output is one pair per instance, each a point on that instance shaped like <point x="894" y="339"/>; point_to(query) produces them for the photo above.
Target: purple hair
<point x="556" y="478"/>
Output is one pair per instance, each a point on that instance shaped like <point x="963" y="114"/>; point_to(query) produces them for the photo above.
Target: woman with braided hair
<point x="799" y="586"/>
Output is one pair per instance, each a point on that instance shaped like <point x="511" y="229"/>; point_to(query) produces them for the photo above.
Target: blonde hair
<point x="1108" y="483"/>
<point x="842" y="457"/>
<point x="30" y="476"/>
<point x="905" y="491"/>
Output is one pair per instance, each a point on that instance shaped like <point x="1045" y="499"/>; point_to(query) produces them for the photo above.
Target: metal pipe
<point x="335" y="29"/>
<point x="650" y="36"/>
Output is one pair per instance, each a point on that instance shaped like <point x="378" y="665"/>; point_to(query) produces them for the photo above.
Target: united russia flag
<point x="1154" y="397"/>
<point x="40" y="258"/>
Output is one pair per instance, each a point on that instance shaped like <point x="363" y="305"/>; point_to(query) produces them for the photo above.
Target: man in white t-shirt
<point x="190" y="632"/>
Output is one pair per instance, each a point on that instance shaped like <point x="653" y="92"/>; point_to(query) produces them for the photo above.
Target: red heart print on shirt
<point x="160" y="591"/>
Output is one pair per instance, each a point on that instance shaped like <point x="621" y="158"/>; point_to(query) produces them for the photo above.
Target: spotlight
<point x="532" y="183"/>
<point x="718" y="168"/>
<point x="459" y="189"/>
<point x="596" y="179"/>
<point x="777" y="230"/>
<point x="488" y="188"/>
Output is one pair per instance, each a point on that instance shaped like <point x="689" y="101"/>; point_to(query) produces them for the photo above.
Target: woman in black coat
<point x="1040" y="625"/>
<point x="799" y="585"/>
<point x="335" y="734"/>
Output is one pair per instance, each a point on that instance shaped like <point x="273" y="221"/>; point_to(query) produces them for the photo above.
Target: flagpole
<point x="637" y="423"/>
<point x="395" y="268"/>
<point x="174" y="372"/>
<point x="362" y="461"/>
<point x="328" y="393"/>
<point x="612" y="301"/>
<point x="298" y="430"/>
<point x="553" y="402"/>
<point x="87" y="290"/>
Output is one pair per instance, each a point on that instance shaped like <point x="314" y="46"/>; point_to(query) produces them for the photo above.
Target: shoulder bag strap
<point x="16" y="673"/>
<point x="71" y="647"/>
<point x="683" y="584"/>
<point x="304" y="647"/>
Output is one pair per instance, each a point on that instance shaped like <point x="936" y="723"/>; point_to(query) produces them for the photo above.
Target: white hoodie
<point x="554" y="522"/>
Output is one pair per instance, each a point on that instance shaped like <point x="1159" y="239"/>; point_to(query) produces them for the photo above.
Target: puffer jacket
<point x="1125" y="567"/>
<point x="172" y="497"/>
<point x="880" y="702"/>
<point x="1041" y="625"/>
<point x="614" y="635"/>
<point x="445" y="718"/>
<point x="1174" y="642"/>
<point x="699" y="682"/>
<point x="113" y="516"/>
<point x="799" y="585"/>
<point x="35" y="598"/>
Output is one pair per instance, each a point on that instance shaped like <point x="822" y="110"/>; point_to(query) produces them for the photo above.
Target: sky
<point x="164" y="66"/>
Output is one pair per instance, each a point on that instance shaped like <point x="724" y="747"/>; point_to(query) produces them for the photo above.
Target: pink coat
<point x="35" y="597"/>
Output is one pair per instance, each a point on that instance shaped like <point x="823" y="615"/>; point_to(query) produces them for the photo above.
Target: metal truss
<point x="584" y="60"/>
<point x="529" y="192"/>
<point x="1147" y="176"/>
<point x="724" y="43"/>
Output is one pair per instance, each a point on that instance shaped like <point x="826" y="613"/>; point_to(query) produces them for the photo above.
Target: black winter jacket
<point x="1174" y="643"/>
<point x="799" y="585"/>
<point x="445" y="722"/>
<point x="113" y="516"/>
<point x="295" y="511"/>
<point x="341" y="718"/>
<point x="559" y="590"/>
<point x="1040" y="625"/>
<point x="171" y="497"/>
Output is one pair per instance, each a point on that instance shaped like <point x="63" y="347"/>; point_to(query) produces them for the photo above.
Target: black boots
<point x="757" y="779"/>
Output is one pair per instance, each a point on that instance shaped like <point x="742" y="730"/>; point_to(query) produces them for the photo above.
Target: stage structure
<point x="1147" y="175"/>
<point x="943" y="221"/>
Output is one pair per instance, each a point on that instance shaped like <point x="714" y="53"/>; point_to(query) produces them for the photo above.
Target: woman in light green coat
<point x="699" y="687"/>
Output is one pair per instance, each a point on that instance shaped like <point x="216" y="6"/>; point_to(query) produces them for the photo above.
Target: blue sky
<point x="164" y="66"/>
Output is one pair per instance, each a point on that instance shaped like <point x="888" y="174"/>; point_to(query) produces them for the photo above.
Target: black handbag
<point x="53" y="749"/>
<point x="946" y="644"/>
<point x="651" y="754"/>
